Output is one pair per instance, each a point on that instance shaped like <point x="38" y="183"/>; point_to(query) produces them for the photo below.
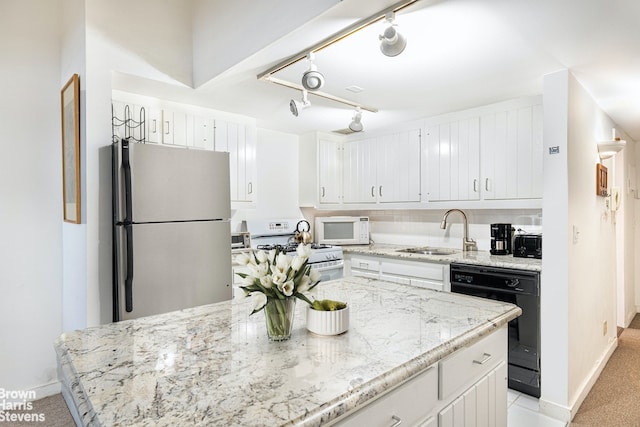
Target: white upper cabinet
<point x="239" y="141"/>
<point x="398" y="167"/>
<point x="320" y="170"/>
<point x="330" y="164"/>
<point x="453" y="160"/>
<point x="174" y="127"/>
<point x="359" y="171"/>
<point x="384" y="169"/>
<point x="200" y="131"/>
<point x="511" y="143"/>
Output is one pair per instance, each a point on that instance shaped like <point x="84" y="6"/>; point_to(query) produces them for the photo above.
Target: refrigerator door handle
<point x="128" y="281"/>
<point x="126" y="168"/>
<point x="128" y="230"/>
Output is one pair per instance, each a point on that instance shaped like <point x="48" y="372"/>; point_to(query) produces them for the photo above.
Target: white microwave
<point x="342" y="230"/>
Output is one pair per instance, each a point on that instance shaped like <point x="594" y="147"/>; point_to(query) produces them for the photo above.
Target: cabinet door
<point x="154" y="124"/>
<point x="330" y="171"/>
<point x="174" y="127"/>
<point x="512" y="153"/>
<point x="240" y="142"/>
<point x="453" y="152"/>
<point x="203" y="132"/>
<point x="483" y="405"/>
<point x="359" y="173"/>
<point x="398" y="167"/>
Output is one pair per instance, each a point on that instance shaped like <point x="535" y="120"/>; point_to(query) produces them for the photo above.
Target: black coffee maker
<point x="501" y="239"/>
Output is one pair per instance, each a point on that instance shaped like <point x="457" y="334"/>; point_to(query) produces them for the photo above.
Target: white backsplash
<point x="422" y="227"/>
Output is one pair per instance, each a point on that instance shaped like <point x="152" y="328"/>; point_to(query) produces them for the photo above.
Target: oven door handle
<point x="329" y="265"/>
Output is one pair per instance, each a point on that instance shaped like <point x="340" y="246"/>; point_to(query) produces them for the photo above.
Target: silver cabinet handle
<point x="397" y="420"/>
<point x="323" y="192"/>
<point x="166" y="122"/>
<point x="373" y="189"/>
<point x="380" y="191"/>
<point x="155" y="126"/>
<point x="250" y="187"/>
<point x="486" y="184"/>
<point x="485" y="359"/>
<point x="475" y="185"/>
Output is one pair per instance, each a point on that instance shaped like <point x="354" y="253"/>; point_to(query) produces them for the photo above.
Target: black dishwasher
<point x="519" y="287"/>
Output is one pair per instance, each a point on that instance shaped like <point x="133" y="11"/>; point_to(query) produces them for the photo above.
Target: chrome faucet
<point x="467" y="243"/>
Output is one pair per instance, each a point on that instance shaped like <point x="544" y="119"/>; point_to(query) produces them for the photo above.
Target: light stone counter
<point x="213" y="365"/>
<point x="476" y="257"/>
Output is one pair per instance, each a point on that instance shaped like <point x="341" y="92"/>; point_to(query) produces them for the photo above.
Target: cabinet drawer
<point x="467" y="365"/>
<point x="411" y="402"/>
<point x="365" y="264"/>
<point x="415" y="269"/>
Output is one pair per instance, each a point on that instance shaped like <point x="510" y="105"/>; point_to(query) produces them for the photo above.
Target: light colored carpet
<point x="613" y="400"/>
<point x="54" y="409"/>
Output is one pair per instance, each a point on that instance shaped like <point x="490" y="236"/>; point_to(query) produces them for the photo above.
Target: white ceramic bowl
<point x="328" y="322"/>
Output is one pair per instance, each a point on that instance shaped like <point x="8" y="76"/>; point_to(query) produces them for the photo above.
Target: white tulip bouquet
<point x="277" y="276"/>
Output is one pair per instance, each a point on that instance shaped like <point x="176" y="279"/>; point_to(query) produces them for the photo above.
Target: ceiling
<point x="460" y="54"/>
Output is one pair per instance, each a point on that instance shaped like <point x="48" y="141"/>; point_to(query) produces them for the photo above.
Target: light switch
<point x="576" y="233"/>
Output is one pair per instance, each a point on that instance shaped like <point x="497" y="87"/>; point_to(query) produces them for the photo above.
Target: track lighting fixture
<point x="312" y="79"/>
<point x="392" y="43"/>
<point x="296" y="106"/>
<point x="356" y="122"/>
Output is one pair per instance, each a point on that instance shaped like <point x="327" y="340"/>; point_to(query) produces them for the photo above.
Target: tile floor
<point x="522" y="411"/>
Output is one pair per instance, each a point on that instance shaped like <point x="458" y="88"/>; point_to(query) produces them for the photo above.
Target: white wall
<point x="30" y="194"/>
<point x="623" y="164"/>
<point x="579" y="276"/>
<point x="277" y="194"/>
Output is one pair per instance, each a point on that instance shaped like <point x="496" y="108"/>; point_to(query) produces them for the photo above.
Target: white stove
<point x="269" y="234"/>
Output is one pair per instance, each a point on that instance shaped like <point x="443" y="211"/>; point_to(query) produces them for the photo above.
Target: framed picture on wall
<point x="602" y="184"/>
<point x="70" y="102"/>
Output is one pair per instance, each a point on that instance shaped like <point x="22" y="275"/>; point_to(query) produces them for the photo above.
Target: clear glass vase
<point x="279" y="316"/>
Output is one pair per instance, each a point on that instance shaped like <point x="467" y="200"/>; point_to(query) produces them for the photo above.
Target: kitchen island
<point x="213" y="365"/>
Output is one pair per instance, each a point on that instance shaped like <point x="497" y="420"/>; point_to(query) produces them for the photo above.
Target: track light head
<point x="392" y="43"/>
<point x="356" y="122"/>
<point x="312" y="79"/>
<point x="296" y="106"/>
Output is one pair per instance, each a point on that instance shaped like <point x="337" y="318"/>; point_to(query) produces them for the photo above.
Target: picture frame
<point x="602" y="185"/>
<point x="70" y="113"/>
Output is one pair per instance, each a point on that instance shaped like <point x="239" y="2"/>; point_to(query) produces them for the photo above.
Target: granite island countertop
<point x="472" y="257"/>
<point x="213" y="365"/>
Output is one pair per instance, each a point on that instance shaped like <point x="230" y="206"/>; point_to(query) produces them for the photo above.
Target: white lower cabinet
<point x="400" y="406"/>
<point x="468" y="388"/>
<point x="483" y="405"/>
<point x="424" y="274"/>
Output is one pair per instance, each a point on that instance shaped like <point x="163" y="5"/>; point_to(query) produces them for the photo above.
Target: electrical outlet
<point x="604" y="328"/>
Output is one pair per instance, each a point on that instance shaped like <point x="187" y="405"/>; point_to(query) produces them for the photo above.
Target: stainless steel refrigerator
<point x="172" y="235"/>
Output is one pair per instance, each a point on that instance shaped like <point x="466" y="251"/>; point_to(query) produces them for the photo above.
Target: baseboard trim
<point x="566" y="413"/>
<point x="629" y="318"/>
<point x="47" y="390"/>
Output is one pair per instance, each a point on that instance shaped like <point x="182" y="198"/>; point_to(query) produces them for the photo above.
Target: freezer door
<point x="171" y="184"/>
<point x="173" y="266"/>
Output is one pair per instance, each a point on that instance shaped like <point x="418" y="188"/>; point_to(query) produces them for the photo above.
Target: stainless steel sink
<point x="428" y="251"/>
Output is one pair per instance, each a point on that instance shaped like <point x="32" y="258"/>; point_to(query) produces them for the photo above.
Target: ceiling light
<point x="312" y="79"/>
<point x="356" y="122"/>
<point x="392" y="43"/>
<point x="296" y="106"/>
